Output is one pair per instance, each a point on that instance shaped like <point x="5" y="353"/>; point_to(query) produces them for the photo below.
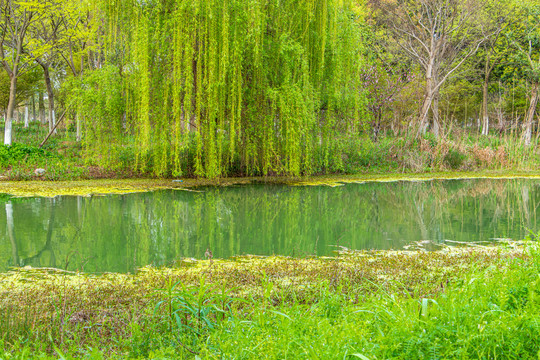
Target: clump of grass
<point x="454" y="159"/>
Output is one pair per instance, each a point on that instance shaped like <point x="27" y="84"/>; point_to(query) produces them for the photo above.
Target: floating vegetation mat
<point x="44" y="294"/>
<point x="52" y="306"/>
<point x="104" y="187"/>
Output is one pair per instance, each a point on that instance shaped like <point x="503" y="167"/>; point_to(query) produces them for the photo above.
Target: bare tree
<point x="524" y="38"/>
<point x="46" y="33"/>
<point x="497" y="20"/>
<point x="76" y="25"/>
<point x="438" y="35"/>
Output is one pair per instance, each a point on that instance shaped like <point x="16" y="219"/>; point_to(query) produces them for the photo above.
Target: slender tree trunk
<point x="428" y="97"/>
<point x="435" y="105"/>
<point x="424" y="113"/>
<point x="435" y="111"/>
<point x="10" y="110"/>
<point x="500" y="114"/>
<point x="42" y="117"/>
<point x="54" y="120"/>
<point x="527" y="131"/>
<point x="485" y="115"/>
<point x="34" y="107"/>
<point x="485" y="94"/>
<point x="26" y="117"/>
<point x="50" y="95"/>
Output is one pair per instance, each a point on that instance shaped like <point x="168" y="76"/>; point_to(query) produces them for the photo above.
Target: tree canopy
<point x="214" y="88"/>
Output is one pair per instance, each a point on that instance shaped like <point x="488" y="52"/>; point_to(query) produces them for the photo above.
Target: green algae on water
<point x="126" y="186"/>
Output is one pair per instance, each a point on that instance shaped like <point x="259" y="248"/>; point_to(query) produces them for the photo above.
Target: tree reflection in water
<point x="122" y="232"/>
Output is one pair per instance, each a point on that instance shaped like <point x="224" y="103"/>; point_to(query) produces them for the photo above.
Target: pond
<point x="119" y="233"/>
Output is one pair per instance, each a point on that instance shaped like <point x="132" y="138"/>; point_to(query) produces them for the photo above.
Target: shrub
<point x="16" y="153"/>
<point x="454" y="159"/>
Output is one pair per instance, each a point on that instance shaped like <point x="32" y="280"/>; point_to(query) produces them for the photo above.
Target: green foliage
<point x="97" y="96"/>
<point x="27" y="85"/>
<point x="241" y="85"/>
<point x="454" y="159"/>
<point x="60" y="157"/>
<point x="12" y="155"/>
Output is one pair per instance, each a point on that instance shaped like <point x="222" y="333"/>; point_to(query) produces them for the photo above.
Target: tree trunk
<point x="10" y="110"/>
<point x="428" y="98"/>
<point x="42" y="117"/>
<point x="26" y="117"/>
<point x="527" y="131"/>
<point x="435" y="107"/>
<point x="485" y="115"/>
<point x="34" y="107"/>
<point x="485" y="94"/>
<point x="435" y="111"/>
<point x="54" y="121"/>
<point x="50" y="95"/>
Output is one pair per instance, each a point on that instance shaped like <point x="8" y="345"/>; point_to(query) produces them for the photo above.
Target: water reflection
<point x="122" y="232"/>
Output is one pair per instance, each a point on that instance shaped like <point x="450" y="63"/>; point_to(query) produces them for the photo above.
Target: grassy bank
<point x="63" y="158"/>
<point x="456" y="303"/>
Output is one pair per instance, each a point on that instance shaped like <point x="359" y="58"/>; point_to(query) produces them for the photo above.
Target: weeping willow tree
<point x="213" y="88"/>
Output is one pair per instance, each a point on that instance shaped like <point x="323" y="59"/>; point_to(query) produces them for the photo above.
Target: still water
<point x="120" y="233"/>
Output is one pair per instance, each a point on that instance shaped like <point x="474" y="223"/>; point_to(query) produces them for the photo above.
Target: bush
<point x="16" y="153"/>
<point x="454" y="159"/>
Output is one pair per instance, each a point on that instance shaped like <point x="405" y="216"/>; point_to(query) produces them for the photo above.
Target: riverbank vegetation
<point x="170" y="88"/>
<point x="63" y="158"/>
<point x="480" y="302"/>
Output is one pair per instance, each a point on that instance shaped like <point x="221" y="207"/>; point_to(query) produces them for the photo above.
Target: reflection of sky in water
<point x="121" y="232"/>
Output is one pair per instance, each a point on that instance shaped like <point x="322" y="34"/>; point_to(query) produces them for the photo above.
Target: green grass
<point x="469" y="304"/>
<point x="476" y="318"/>
<point x="61" y="155"/>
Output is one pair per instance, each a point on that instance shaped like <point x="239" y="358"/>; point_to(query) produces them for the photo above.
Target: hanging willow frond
<point x="214" y="88"/>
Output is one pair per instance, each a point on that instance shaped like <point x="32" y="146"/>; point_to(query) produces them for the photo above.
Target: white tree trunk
<point x="485" y="115"/>
<point x="42" y="116"/>
<point x="423" y="122"/>
<point x="7" y="131"/>
<point x="26" y="119"/>
<point x="527" y="131"/>
<point x="10" y="111"/>
<point x="54" y="121"/>
<point x="428" y="100"/>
